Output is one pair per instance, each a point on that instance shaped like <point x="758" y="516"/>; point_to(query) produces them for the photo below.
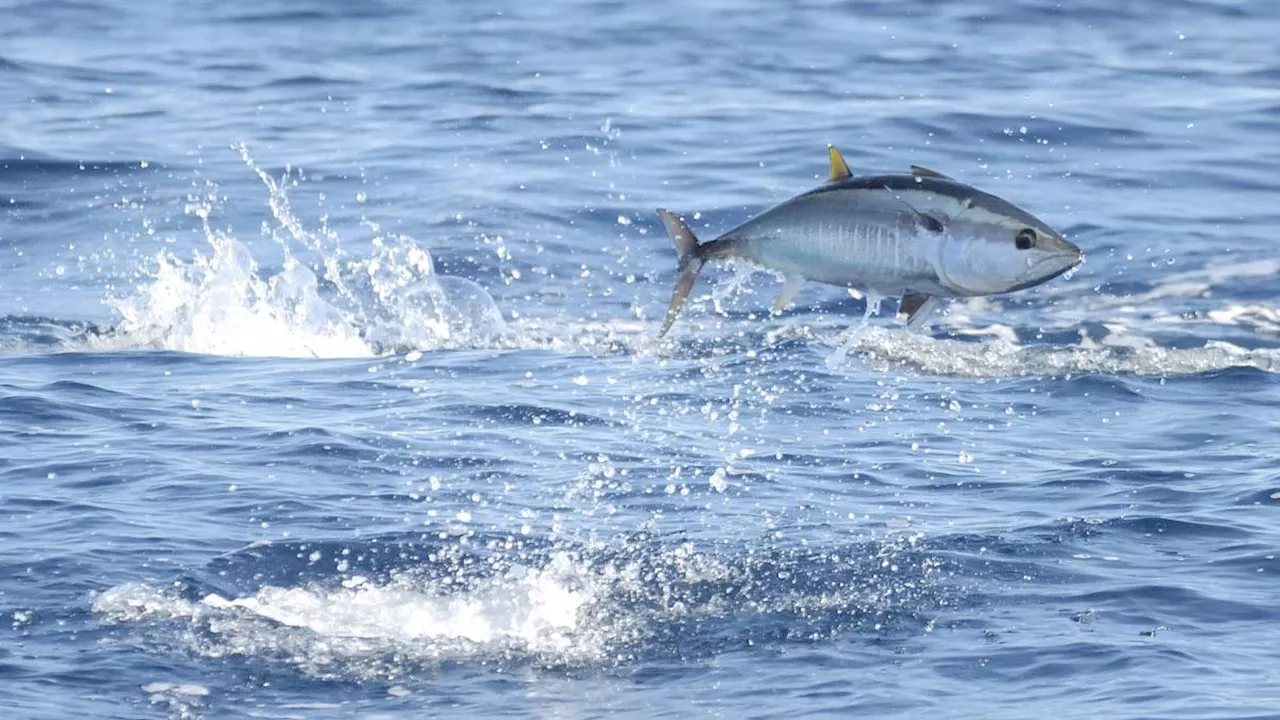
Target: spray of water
<point x="223" y="302"/>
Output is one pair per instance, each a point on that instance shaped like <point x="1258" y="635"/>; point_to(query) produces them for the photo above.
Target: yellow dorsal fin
<point x="839" y="168"/>
<point x="926" y="172"/>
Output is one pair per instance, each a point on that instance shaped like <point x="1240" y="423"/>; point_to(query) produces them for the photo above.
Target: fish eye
<point x="1026" y="239"/>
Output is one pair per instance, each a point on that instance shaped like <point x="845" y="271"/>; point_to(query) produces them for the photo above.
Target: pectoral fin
<point x="791" y="287"/>
<point x="839" y="168"/>
<point x="917" y="307"/>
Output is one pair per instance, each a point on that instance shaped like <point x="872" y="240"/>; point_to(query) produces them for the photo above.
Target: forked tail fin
<point x="689" y="264"/>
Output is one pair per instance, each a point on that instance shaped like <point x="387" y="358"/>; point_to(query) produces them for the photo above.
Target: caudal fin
<point x="689" y="264"/>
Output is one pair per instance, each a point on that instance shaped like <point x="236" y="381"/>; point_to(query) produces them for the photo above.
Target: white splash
<point x="222" y="302"/>
<point x="367" y="628"/>
<point x="533" y="610"/>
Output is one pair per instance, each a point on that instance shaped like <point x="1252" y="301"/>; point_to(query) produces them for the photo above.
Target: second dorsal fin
<point x="839" y="168"/>
<point x="926" y="172"/>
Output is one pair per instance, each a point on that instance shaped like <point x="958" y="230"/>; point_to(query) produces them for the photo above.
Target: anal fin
<point x="791" y="286"/>
<point x="917" y="307"/>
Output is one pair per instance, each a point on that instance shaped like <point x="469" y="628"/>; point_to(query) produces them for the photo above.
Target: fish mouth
<point x="1072" y="260"/>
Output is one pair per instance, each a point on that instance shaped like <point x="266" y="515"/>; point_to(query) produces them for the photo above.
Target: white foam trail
<point x="1115" y="353"/>
<point x="1259" y="318"/>
<point x="1192" y="284"/>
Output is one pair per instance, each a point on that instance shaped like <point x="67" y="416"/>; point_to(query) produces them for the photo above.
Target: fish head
<point x="995" y="247"/>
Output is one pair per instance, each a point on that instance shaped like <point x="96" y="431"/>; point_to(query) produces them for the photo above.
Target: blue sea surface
<point x="330" y="385"/>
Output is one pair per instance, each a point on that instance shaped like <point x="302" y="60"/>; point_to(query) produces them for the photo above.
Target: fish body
<point x="920" y="236"/>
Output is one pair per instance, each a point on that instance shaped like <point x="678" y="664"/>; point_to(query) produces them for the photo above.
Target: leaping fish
<point x="920" y="236"/>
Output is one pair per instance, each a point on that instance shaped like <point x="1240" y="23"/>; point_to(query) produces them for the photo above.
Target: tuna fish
<point x="919" y="236"/>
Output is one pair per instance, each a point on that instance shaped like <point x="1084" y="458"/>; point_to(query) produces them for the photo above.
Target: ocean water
<point x="329" y="385"/>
